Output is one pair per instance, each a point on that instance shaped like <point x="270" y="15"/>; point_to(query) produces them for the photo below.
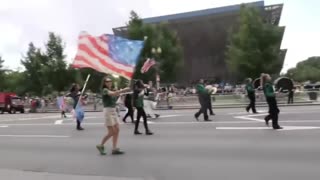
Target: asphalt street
<point x="235" y="145"/>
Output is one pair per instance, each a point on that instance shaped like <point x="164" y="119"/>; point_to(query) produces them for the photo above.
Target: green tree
<point x="47" y="71"/>
<point x="2" y="74"/>
<point x="255" y="47"/>
<point x="55" y="67"/>
<point x="35" y="74"/>
<point x="94" y="83"/>
<point x="15" y="81"/>
<point x="307" y="70"/>
<point x="157" y="35"/>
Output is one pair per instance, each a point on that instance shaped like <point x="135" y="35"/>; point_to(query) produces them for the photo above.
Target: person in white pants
<point x="149" y="102"/>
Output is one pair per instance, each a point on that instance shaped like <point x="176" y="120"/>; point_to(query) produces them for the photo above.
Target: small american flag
<point x="147" y="65"/>
<point x="108" y="54"/>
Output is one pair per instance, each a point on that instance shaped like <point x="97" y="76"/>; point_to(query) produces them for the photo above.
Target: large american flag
<point x="147" y="65"/>
<point x="108" y="54"/>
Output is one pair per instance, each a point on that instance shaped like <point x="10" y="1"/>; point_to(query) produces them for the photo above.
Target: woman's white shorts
<point x="111" y="116"/>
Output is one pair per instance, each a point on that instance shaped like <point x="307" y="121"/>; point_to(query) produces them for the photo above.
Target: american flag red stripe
<point x="93" y="53"/>
<point x="147" y="65"/>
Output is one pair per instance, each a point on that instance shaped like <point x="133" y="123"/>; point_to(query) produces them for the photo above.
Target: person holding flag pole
<point x="109" y="98"/>
<point x="109" y="54"/>
<point x="76" y="95"/>
<point x="150" y="91"/>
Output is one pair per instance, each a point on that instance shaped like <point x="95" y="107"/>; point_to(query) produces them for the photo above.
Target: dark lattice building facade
<point x="204" y="36"/>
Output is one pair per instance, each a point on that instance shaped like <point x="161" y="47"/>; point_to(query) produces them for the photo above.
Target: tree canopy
<point x="254" y="46"/>
<point x="2" y="73"/>
<point x="307" y="70"/>
<point x="156" y="36"/>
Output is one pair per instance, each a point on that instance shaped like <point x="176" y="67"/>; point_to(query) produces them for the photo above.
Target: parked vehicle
<point x="11" y="103"/>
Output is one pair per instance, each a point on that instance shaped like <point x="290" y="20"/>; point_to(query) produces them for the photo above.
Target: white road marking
<point x="249" y="117"/>
<point x="257" y="115"/>
<point x="240" y="113"/>
<point x="4" y="126"/>
<point x="285" y="128"/>
<point x="29" y="119"/>
<point x="43" y="118"/>
<point x="92" y="117"/>
<point x="43" y="124"/>
<point x="285" y="111"/>
<point x="288" y="128"/>
<point x="241" y="128"/>
<point x="58" y="122"/>
<point x="168" y="116"/>
<point x="35" y="136"/>
<point x="172" y="123"/>
<point x="89" y="117"/>
<point x="300" y="121"/>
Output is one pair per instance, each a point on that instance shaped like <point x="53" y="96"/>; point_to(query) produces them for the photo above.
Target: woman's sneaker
<point x="117" y="152"/>
<point x="101" y="150"/>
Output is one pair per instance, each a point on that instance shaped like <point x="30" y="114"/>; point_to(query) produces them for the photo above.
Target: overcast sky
<point x="22" y="21"/>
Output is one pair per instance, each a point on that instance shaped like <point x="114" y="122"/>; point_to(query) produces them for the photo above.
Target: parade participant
<point x="109" y="98"/>
<point x="271" y="100"/>
<point x="202" y="95"/>
<point x="290" y="96"/>
<point x="75" y="93"/>
<point x="129" y="105"/>
<point x="62" y="106"/>
<point x="209" y="99"/>
<point x="138" y="95"/>
<point x="251" y="95"/>
<point x="170" y="95"/>
<point x="150" y="95"/>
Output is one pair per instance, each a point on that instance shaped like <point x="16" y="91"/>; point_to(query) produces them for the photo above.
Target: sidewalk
<point x="28" y="175"/>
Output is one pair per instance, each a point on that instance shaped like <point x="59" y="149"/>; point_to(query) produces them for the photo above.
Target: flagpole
<point x="84" y="87"/>
<point x="157" y="52"/>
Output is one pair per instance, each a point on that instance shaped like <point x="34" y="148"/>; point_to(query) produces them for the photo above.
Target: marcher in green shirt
<point x="251" y="95"/>
<point x="208" y="99"/>
<point x="271" y="100"/>
<point x="202" y="95"/>
<point x="109" y="98"/>
<point x="138" y="96"/>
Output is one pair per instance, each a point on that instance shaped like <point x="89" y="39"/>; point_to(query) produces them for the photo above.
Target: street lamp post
<point x="156" y="52"/>
<point x="116" y="80"/>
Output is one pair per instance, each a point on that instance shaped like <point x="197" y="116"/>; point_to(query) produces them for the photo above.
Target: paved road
<point x="236" y="145"/>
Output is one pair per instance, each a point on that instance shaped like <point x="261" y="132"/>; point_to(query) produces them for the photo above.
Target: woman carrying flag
<point x="109" y="99"/>
<point x="75" y="93"/>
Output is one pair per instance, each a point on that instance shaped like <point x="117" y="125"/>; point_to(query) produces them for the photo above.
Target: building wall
<point x="204" y="40"/>
<point x="204" y="43"/>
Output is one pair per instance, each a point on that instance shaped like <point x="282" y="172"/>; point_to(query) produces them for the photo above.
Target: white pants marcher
<point x="148" y="107"/>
